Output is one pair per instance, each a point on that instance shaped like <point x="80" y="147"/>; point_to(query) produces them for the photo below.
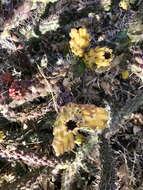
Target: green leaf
<point x="78" y="69"/>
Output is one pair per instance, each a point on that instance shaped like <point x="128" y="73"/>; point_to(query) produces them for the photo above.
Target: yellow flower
<point x="2" y="136"/>
<point x="70" y="119"/>
<point x="84" y="33"/>
<point x="125" y="74"/>
<point x="63" y="140"/>
<point x="74" y="33"/>
<point x="93" y="117"/>
<point x="80" y="39"/>
<point x="101" y="57"/>
<point x="125" y="5"/>
<point x="77" y="50"/>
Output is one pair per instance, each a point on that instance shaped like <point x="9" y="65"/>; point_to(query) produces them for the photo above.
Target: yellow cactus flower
<point x="74" y="33"/>
<point x="2" y="136"/>
<point x="125" y="5"/>
<point x="76" y="49"/>
<point x="80" y="39"/>
<point x="63" y="140"/>
<point x="101" y="57"/>
<point x="94" y="117"/>
<point x="125" y="74"/>
<point x="84" y="33"/>
<point x="70" y="119"/>
<point x="83" y="43"/>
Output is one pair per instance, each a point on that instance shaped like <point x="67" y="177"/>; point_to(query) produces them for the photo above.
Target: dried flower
<point x="98" y="56"/>
<point x="80" y="39"/>
<point x="17" y="91"/>
<point x="6" y="78"/>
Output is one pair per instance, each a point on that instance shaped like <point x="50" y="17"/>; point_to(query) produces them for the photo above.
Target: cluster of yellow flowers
<point x="80" y="39"/>
<point x="99" y="56"/>
<point x="70" y="119"/>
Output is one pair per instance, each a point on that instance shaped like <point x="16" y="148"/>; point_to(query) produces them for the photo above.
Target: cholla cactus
<point x="99" y="56"/>
<point x="137" y="62"/>
<point x="30" y="159"/>
<point x="80" y="39"/>
<point x="22" y="13"/>
<point x="71" y="118"/>
<point x="135" y="28"/>
<point x="21" y="92"/>
<point x="137" y="70"/>
<point x="49" y="24"/>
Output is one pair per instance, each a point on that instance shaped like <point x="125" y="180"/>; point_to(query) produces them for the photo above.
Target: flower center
<point x="71" y="125"/>
<point x="107" y="55"/>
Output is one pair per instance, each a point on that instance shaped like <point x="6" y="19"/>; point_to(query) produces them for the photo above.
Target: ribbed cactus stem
<point x="29" y="159"/>
<point x="32" y="89"/>
<point x="21" y="13"/>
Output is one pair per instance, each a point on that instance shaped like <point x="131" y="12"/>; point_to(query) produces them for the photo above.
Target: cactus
<point x="22" y="13"/>
<point x="137" y="62"/>
<point x="87" y="160"/>
<point x="50" y="24"/>
<point x="30" y="159"/>
<point x="135" y="29"/>
<point x="21" y="92"/>
<point x="23" y="21"/>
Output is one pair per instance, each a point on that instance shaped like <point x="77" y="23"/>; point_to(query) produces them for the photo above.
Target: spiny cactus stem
<point x="30" y="159"/>
<point x="130" y="107"/>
